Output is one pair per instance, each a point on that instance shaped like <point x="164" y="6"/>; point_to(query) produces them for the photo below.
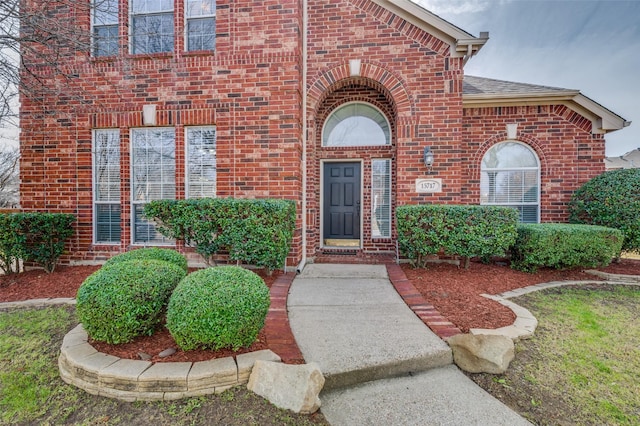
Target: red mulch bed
<point x="455" y="292"/>
<point x="65" y="281"/>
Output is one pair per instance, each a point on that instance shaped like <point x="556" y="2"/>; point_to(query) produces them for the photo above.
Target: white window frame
<point x="133" y="14"/>
<point x="374" y="206"/>
<point x="162" y="241"/>
<point x="349" y="104"/>
<point x="188" y="147"/>
<point x="95" y="5"/>
<point x="516" y="169"/>
<point x="188" y="17"/>
<point x="96" y="202"/>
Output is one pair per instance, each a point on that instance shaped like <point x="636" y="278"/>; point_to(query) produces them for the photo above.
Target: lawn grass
<point x="31" y="391"/>
<point x="586" y="352"/>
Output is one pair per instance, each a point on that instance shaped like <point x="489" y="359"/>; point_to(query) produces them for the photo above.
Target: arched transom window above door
<point x="356" y="124"/>
<point x="510" y="176"/>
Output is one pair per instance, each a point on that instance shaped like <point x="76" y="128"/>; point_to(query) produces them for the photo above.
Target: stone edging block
<point x="80" y="364"/>
<point x="526" y="323"/>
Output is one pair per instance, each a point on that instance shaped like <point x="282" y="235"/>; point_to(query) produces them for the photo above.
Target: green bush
<point x="611" y="199"/>
<point x="255" y="232"/>
<point x="559" y="246"/>
<point x="10" y="249"/>
<point x="151" y="253"/>
<point x="127" y="299"/>
<point x="42" y="236"/>
<point x="465" y="231"/>
<point x="221" y="307"/>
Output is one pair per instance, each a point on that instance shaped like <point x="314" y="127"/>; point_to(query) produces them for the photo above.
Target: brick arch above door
<point x="371" y="75"/>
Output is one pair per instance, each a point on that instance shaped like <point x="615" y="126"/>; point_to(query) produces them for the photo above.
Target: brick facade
<point x="251" y="88"/>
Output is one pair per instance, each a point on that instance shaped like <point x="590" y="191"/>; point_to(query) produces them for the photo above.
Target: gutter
<point x="305" y="23"/>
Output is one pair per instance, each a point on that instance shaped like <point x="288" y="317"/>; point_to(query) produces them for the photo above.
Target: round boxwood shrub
<point x="126" y="299"/>
<point x="215" y="308"/>
<point x="152" y="253"/>
<point x="611" y="199"/>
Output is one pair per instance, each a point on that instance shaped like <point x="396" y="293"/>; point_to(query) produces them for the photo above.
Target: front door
<point x="341" y="204"/>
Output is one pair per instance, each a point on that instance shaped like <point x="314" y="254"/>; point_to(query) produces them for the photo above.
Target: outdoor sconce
<point x="428" y="157"/>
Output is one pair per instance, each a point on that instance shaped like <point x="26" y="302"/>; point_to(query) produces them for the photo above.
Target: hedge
<point x="611" y="199"/>
<point x="119" y="302"/>
<point x="33" y="237"/>
<point x="254" y="232"/>
<point x="221" y="307"/>
<point x="465" y="231"/>
<point x="560" y="246"/>
<point x="10" y="250"/>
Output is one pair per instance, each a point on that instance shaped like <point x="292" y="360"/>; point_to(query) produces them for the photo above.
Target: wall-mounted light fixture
<point x="428" y="157"/>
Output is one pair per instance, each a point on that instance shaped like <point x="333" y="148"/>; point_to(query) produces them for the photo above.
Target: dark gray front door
<point x="342" y="201"/>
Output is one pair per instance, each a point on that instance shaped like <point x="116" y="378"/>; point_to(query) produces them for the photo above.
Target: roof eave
<point x="462" y="44"/>
<point x="603" y="120"/>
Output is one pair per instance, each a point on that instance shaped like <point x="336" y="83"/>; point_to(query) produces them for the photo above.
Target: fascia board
<point x="610" y="120"/>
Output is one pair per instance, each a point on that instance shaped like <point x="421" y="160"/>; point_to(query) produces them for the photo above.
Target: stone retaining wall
<point x="82" y="365"/>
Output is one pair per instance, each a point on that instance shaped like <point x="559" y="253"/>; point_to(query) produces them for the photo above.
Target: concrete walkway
<point x="382" y="365"/>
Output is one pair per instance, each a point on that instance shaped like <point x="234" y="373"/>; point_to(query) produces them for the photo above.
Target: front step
<point x="352" y="256"/>
<point x="351" y="321"/>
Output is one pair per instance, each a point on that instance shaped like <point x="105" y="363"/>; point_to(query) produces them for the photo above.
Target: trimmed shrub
<point x="611" y="199"/>
<point x="10" y="249"/>
<point x="215" y="308"/>
<point x="465" y="231"/>
<point x="151" y="253"/>
<point x="126" y="299"/>
<point x="560" y="246"/>
<point x="42" y="236"/>
<point x="255" y="232"/>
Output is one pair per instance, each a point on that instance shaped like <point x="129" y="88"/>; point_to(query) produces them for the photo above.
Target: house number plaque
<point x="428" y="185"/>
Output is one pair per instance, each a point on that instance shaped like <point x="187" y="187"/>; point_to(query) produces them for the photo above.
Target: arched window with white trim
<point x="510" y="176"/>
<point x="356" y="124"/>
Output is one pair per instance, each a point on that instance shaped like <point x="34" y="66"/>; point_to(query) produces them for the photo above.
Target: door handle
<point x="358" y="207"/>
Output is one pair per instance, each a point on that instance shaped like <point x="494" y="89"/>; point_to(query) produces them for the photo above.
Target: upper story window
<point x="105" y="27"/>
<point x="356" y="124"/>
<point x="201" y="24"/>
<point x="510" y="176"/>
<point x="152" y="26"/>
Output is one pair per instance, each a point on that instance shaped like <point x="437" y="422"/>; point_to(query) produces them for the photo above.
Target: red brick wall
<point x="569" y="154"/>
<point x="249" y="88"/>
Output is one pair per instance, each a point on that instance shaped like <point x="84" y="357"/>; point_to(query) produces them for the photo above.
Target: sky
<point x="589" y="45"/>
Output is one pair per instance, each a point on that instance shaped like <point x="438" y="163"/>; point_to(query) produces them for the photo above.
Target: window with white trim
<point x="201" y="162"/>
<point x="106" y="186"/>
<point x="152" y="26"/>
<point x="201" y="24"/>
<point x="356" y="124"/>
<point x="381" y="198"/>
<point x="153" y="177"/>
<point x="510" y="176"/>
<point x="105" y="27"/>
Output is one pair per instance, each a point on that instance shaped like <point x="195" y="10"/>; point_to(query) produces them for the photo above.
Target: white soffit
<point x="603" y="119"/>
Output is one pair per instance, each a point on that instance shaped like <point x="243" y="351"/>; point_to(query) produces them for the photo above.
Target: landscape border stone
<point x="526" y="323"/>
<point x="81" y="365"/>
